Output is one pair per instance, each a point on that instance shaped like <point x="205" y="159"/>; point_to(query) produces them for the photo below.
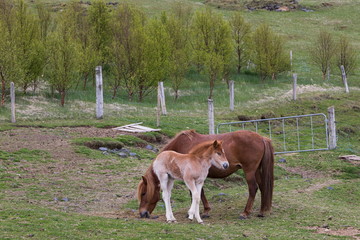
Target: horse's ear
<point x="215" y="144"/>
<point x="144" y="179"/>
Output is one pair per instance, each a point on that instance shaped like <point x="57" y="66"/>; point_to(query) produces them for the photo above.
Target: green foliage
<point x="346" y="55"/>
<point x="62" y="69"/>
<point x="127" y="52"/>
<point x="178" y="27"/>
<point x="323" y="52"/>
<point x="241" y="37"/>
<point x="212" y="44"/>
<point x="269" y="53"/>
<point x="100" y="38"/>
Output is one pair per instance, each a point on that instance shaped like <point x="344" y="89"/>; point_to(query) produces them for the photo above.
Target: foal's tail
<point x="267" y="176"/>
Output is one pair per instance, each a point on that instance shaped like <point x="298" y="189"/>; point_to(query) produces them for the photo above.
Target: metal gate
<point x="300" y="133"/>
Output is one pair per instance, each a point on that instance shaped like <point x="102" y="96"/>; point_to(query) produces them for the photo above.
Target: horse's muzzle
<point x="225" y="165"/>
<point x="145" y="214"/>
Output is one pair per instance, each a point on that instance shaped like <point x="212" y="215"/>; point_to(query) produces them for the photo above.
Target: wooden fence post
<point x="294" y="86"/>
<point x="343" y="74"/>
<point x="332" y="128"/>
<point x="231" y="89"/>
<point x="99" y="93"/>
<point x="12" y="97"/>
<point x="211" y="116"/>
<point x="162" y="98"/>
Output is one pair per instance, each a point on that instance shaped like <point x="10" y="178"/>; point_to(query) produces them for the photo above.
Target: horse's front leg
<point x="195" y="202"/>
<point x="206" y="204"/>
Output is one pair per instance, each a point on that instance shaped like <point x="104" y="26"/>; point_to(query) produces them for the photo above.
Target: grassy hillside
<point x="54" y="187"/>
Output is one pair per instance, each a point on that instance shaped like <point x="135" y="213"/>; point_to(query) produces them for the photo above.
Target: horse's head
<point x="218" y="158"/>
<point x="148" y="196"/>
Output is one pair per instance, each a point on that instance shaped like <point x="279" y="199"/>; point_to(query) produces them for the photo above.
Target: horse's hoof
<point x="260" y="215"/>
<point x="205" y="216"/>
<point x="202" y="223"/>
<point x="242" y="217"/>
<point x="154" y="217"/>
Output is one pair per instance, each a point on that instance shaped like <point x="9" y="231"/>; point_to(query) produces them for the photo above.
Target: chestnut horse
<point x="244" y="149"/>
<point x="192" y="168"/>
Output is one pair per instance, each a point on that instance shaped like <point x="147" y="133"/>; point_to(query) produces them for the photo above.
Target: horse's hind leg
<point x="261" y="187"/>
<point x="252" y="186"/>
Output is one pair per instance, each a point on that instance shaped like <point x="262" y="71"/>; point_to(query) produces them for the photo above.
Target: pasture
<point x="54" y="186"/>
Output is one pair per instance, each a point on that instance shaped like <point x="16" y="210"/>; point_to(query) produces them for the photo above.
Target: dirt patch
<point x="347" y="232"/>
<point x="69" y="181"/>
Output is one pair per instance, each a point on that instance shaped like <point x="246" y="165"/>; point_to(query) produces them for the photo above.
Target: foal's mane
<point x="202" y="147"/>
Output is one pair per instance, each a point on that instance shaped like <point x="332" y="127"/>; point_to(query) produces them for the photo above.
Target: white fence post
<point x="12" y="96"/>
<point x="99" y="93"/>
<point x="294" y="86"/>
<point x="231" y="89"/>
<point x="158" y="107"/>
<point x="291" y="60"/>
<point x="343" y="74"/>
<point x="162" y="98"/>
<point x="332" y="128"/>
<point x="211" y="116"/>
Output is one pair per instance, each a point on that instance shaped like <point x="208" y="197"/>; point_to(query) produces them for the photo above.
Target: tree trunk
<point x="62" y="101"/>
<point x="86" y="75"/>
<point x="3" y="88"/>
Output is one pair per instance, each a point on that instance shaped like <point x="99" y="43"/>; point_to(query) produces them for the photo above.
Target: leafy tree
<point x="156" y="57"/>
<point x="268" y="53"/>
<point x="99" y="18"/>
<point x="240" y="34"/>
<point x="10" y="70"/>
<point x="323" y="52"/>
<point x="212" y="44"/>
<point x="127" y="47"/>
<point x="178" y="27"/>
<point x="346" y="55"/>
<point x="26" y="37"/>
<point x="81" y="32"/>
<point x="63" y="61"/>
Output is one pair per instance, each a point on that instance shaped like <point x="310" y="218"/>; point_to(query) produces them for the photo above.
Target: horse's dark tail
<point x="267" y="177"/>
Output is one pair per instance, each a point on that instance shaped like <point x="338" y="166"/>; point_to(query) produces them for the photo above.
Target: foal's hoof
<point x="154" y="217"/>
<point x="243" y="217"/>
<point x="260" y="215"/>
<point x="205" y="216"/>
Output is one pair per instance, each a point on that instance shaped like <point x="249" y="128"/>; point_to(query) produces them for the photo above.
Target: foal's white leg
<point x="195" y="201"/>
<point x="170" y="187"/>
<point x="166" y="193"/>
<point x="197" y="209"/>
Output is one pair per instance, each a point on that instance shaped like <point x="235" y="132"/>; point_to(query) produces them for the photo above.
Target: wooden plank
<point x="135" y="127"/>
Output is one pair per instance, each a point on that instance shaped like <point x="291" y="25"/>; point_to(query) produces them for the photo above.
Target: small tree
<point x="178" y="28"/>
<point x="323" y="52"/>
<point x="63" y="61"/>
<point x="127" y="53"/>
<point x="81" y="33"/>
<point x="100" y="37"/>
<point x="240" y="34"/>
<point x="212" y="44"/>
<point x="268" y="53"/>
<point x="346" y="55"/>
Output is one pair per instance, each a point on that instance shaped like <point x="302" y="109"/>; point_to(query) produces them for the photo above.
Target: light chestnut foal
<point x="192" y="168"/>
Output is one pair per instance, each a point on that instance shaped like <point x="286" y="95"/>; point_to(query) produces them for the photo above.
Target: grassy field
<point x="55" y="187"/>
